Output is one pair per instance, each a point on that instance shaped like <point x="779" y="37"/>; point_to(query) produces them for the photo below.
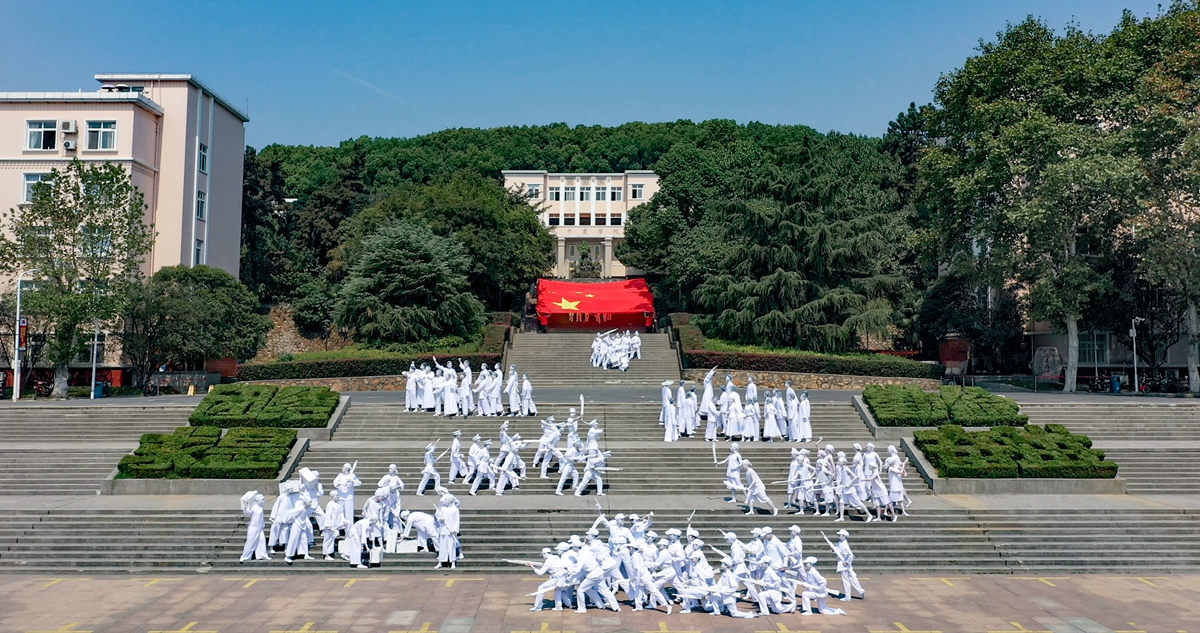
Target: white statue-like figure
<point x="256" y="546"/>
<point x="845" y="567"/>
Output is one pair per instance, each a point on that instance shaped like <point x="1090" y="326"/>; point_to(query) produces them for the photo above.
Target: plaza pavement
<point x="436" y="602"/>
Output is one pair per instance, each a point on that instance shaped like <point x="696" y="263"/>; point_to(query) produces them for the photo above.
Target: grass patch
<point x="1049" y="452"/>
<point x="201" y="453"/>
<point x="238" y="405"/>
<point x="897" y="405"/>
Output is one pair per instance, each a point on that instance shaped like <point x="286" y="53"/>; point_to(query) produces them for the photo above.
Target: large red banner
<point x="595" y="306"/>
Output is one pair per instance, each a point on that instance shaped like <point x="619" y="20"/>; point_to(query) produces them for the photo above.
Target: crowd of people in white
<point x="612" y="350"/>
<point x="445" y="391"/>
<point x="653" y="572"/>
<point x="780" y="416"/>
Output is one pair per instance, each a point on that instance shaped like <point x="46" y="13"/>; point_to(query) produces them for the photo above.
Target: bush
<point x="1009" y="452"/>
<point x="813" y="364"/>
<point x="349" y="367"/>
<point x="975" y="406"/>
<point x="493" y="338"/>
<point x="265" y="406"/>
<point x="201" y="453"/>
<point x="897" y="405"/>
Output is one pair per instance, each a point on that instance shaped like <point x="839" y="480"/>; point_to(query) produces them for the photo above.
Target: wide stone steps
<point x="564" y="359"/>
<point x="1158" y="471"/>
<point x="56" y="472"/>
<point x="88" y="424"/>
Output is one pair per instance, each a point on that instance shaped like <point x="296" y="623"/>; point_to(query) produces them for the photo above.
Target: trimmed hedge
<point x="265" y="406"/>
<point x="898" y="405"/>
<point x="1049" y="452"/>
<point x="812" y="364"/>
<point x="904" y="405"/>
<point x="201" y="453"/>
<point x="342" y="368"/>
<point x="493" y="339"/>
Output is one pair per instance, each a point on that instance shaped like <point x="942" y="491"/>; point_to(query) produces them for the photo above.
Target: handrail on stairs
<point x="673" y="340"/>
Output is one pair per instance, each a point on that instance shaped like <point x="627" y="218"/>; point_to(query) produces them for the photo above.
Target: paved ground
<point x="455" y="603"/>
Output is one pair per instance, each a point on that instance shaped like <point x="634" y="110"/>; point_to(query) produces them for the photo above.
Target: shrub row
<point x="342" y="368"/>
<point x="265" y="406"/>
<point x="201" y="453"/>
<point x="1049" y="452"/>
<point x="493" y="338"/>
<point x="813" y="364"/>
<point x="900" y="405"/>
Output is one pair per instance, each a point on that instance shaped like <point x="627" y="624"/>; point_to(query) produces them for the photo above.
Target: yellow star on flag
<point x="589" y="296"/>
<point x="568" y="305"/>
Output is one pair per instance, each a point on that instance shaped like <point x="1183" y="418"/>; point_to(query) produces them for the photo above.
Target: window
<point x="585" y="219"/>
<point x="85" y="355"/>
<point x="615" y="220"/>
<point x="535" y="191"/>
<point x="42" y="134"/>
<point x="1093" y="348"/>
<point x="30" y="181"/>
<point x="601" y="194"/>
<point x="601" y="220"/>
<point x="635" y="192"/>
<point x="585" y="193"/>
<point x="571" y="252"/>
<point x="568" y="220"/>
<point x="202" y="159"/>
<point x="102" y="135"/>
<point x="199" y="252"/>
<point x="615" y="193"/>
<point x="553" y="219"/>
<point x="201" y="205"/>
<point x="568" y="193"/>
<point x="555" y="194"/>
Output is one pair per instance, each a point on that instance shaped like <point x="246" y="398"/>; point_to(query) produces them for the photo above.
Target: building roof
<point x="627" y="172"/>
<point x="135" y="98"/>
<point x="164" y="77"/>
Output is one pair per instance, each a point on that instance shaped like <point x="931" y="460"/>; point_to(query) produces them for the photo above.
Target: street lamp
<point x="17" y="339"/>
<point x="1133" y="335"/>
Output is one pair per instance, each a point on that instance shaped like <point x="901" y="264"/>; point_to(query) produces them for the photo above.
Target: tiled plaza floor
<point x="460" y="603"/>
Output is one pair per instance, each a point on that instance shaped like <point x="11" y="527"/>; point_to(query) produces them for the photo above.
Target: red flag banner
<point x="595" y="306"/>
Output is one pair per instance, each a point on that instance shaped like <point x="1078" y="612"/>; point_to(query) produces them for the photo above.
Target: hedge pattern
<point x="201" y="453"/>
<point x="812" y="364"/>
<point x="265" y="406"/>
<point x="897" y="405"/>
<point x="1049" y="452"/>
<point x="342" y="368"/>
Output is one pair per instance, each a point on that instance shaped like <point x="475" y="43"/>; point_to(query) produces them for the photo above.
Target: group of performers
<point x="781" y="415"/>
<point x="611" y="350"/>
<point x="833" y="484"/>
<point x="297" y="514"/>
<point x="653" y="572"/>
<point x="445" y="391"/>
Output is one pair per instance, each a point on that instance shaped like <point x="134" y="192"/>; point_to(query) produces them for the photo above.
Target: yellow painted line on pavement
<point x="903" y="629"/>
<point x="154" y="581"/>
<point x="662" y="628"/>
<point x="1045" y="581"/>
<point x="64" y="629"/>
<point x="424" y="629"/>
<point x="450" y="582"/>
<point x="254" y="581"/>
<point x="350" y="581"/>
<point x="307" y="628"/>
<point x="1146" y="579"/>
<point x="187" y="629"/>
<point x="949" y="582"/>
<point x="783" y="629"/>
<point x="544" y="629"/>
<point x="1020" y="629"/>
<point x="55" y="581"/>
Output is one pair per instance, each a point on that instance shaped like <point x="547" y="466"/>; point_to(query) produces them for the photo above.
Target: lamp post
<point x="1133" y="335"/>
<point x="17" y="340"/>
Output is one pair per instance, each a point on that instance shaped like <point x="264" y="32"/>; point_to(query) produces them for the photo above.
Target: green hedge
<point x="1049" y="452"/>
<point x="901" y="405"/>
<point x="201" y="453"/>
<point x="342" y="368"/>
<point x="265" y="406"/>
<point x="812" y="364"/>
<point x="493" y="339"/>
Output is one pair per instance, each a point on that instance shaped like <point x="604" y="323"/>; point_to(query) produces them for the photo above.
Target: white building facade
<point x="579" y="208"/>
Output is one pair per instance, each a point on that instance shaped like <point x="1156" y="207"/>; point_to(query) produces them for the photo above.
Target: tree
<point x="273" y="265"/>
<point x="186" y="315"/>
<point x="84" y="232"/>
<point x="989" y="319"/>
<point x="1028" y="175"/>
<point x="408" y="285"/>
<point x="587" y="267"/>
<point x="36" y="335"/>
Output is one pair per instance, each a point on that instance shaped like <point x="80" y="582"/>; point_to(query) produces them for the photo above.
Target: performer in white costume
<point x="256" y="547"/>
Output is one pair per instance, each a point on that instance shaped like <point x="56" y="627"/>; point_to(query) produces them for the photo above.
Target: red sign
<point x="22" y="333"/>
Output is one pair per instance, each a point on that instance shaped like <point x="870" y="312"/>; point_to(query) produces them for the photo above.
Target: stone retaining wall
<point x="350" y="383"/>
<point x="775" y="379"/>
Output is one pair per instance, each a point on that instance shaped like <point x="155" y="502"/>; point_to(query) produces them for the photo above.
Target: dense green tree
<point x="989" y="318"/>
<point x="85" y="235"/>
<point x="408" y="285"/>
<point x="272" y="264"/>
<point x="587" y="267"/>
<point x="186" y="315"/>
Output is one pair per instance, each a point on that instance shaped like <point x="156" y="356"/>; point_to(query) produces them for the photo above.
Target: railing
<point x="673" y="339"/>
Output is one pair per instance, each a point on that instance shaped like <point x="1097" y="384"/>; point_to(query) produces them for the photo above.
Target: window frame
<point x="27" y="189"/>
<point x="568" y="194"/>
<point x="637" y="192"/>
<point x="202" y="206"/>
<point x="601" y="194"/>
<point x="533" y="191"/>
<point x="100" y="134"/>
<point x="616" y="194"/>
<point x="585" y="194"/>
<point x="202" y="159"/>
<point x="52" y="130"/>
<point x="1094" y="348"/>
<point x="200" y="253"/>
<point x="555" y="194"/>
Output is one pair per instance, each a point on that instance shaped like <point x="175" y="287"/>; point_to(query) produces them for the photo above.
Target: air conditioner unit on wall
<point x="69" y="145"/>
<point x="68" y="127"/>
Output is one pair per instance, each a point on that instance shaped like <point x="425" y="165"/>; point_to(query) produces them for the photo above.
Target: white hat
<point x="476" y="438"/>
<point x="756" y="532"/>
<point x="459" y="433"/>
<point x="767" y="530"/>
<point x="691" y="531"/>
<point x="546" y="550"/>
<point x="651" y="534"/>
<point x="562" y="547"/>
<point x="619" y="517"/>
<point x="843" y="533"/>
<point x="662" y="541"/>
<point x="730" y="536"/>
<point x="794" y="528"/>
<point x="592" y="532"/>
<point x="673" y="532"/>
<point x="811" y="560"/>
<point x="666" y="383"/>
<point x="857" y="446"/>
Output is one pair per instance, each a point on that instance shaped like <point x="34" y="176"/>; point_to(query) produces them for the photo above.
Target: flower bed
<point x="1033" y="452"/>
<point x="265" y="406"/>
<point x="894" y="405"/>
<point x="201" y="453"/>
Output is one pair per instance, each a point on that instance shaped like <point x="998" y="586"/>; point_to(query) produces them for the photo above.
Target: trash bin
<point x="98" y="390"/>
<point x="1116" y="384"/>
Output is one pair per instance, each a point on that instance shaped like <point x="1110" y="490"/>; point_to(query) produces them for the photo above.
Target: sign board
<point x="22" y="334"/>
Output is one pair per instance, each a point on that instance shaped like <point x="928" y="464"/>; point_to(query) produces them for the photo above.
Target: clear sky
<point x="318" y="72"/>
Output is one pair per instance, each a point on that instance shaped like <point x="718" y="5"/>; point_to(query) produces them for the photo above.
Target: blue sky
<point x="318" y="72"/>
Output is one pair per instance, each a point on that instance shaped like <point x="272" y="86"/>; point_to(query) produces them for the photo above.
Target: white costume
<point x="256" y="547"/>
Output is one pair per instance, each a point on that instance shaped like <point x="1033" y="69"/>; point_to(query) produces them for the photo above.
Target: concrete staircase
<point x="1157" y="471"/>
<point x="71" y="469"/>
<point x="563" y="359"/>
<point x="38" y="423"/>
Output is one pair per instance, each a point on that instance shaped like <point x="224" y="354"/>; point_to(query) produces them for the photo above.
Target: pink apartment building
<point x="585" y="207"/>
<point x="181" y="142"/>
